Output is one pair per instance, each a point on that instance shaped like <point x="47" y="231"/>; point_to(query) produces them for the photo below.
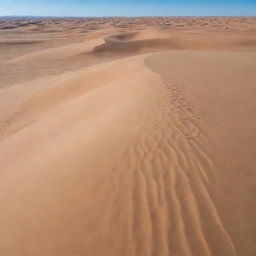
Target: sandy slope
<point x="222" y="85"/>
<point x="142" y="143"/>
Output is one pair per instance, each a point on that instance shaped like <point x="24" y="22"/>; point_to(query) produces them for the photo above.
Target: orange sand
<point x="128" y="137"/>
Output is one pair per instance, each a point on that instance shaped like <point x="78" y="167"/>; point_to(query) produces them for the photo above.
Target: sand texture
<point x="128" y="137"/>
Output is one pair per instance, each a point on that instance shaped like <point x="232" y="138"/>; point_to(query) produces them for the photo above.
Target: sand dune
<point x="134" y="138"/>
<point x="60" y="53"/>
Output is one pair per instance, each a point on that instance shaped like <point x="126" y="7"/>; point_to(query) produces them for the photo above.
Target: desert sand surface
<point x="128" y="136"/>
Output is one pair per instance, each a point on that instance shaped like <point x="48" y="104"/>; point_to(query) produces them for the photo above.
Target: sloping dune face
<point x="128" y="137"/>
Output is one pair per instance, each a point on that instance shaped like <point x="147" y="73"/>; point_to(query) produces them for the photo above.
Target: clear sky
<point x="128" y="7"/>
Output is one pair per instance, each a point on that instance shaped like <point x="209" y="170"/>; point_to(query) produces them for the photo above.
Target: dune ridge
<point x="166" y="197"/>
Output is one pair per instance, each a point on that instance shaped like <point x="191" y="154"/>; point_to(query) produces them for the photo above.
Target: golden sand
<point x="128" y="137"/>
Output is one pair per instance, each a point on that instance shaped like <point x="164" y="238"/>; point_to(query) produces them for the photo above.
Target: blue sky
<point x="128" y="8"/>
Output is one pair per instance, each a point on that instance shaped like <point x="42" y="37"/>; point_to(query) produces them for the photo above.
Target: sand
<point x="128" y="137"/>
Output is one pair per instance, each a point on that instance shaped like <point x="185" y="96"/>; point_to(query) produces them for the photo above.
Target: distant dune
<point x="128" y="137"/>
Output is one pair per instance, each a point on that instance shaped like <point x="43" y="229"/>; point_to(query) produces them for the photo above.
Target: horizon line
<point x="122" y="16"/>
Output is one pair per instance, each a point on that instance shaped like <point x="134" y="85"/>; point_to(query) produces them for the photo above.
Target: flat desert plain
<point x="128" y="137"/>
